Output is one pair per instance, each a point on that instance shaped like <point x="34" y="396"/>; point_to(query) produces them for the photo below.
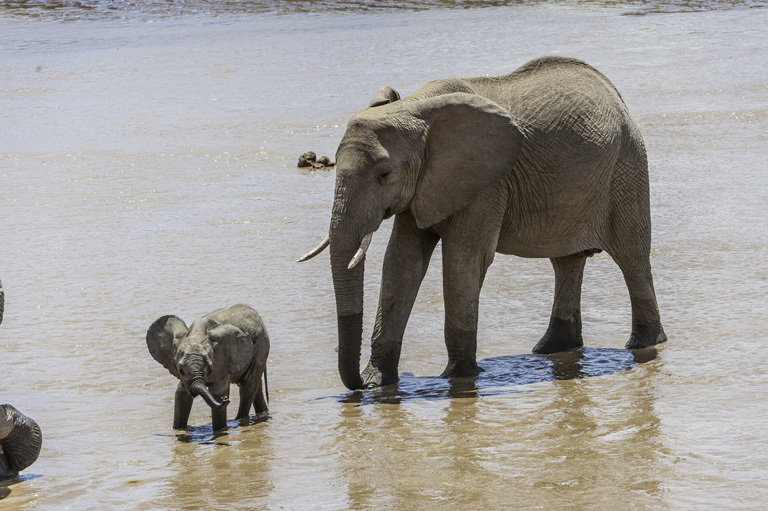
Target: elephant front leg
<point x="182" y="406"/>
<point x="220" y="392"/>
<point x="247" y="396"/>
<point x="564" y="331"/>
<point x="405" y="264"/>
<point x="464" y="269"/>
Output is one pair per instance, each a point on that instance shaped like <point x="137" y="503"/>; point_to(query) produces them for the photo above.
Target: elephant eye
<point x="383" y="175"/>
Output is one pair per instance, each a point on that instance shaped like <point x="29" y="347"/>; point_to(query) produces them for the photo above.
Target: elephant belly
<point x="562" y="229"/>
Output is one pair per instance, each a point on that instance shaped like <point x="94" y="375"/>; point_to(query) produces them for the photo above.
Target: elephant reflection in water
<point x="576" y="442"/>
<point x="20" y="441"/>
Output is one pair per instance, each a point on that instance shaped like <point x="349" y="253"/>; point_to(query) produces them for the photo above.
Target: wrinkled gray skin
<point x="2" y="301"/>
<point x="20" y="441"/>
<point x="228" y="346"/>
<point x="543" y="162"/>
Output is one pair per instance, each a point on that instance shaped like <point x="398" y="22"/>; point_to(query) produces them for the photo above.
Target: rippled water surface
<point x="148" y="167"/>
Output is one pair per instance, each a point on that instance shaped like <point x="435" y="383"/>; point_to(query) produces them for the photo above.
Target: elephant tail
<point x="2" y="301"/>
<point x="266" y="386"/>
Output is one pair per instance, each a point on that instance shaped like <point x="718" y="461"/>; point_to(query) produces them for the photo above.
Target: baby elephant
<point x="228" y="346"/>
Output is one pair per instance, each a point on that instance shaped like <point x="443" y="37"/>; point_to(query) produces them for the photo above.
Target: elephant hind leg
<point x="251" y="394"/>
<point x="260" y="405"/>
<point x="564" y="331"/>
<point x="646" y="321"/>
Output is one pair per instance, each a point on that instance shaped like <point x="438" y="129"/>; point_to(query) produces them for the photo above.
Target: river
<point x="148" y="167"/>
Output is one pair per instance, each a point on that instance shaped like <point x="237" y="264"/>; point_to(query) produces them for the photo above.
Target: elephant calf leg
<point x="259" y="403"/>
<point x="219" y="418"/>
<point x="247" y="396"/>
<point x="182" y="406"/>
<point x="564" y="331"/>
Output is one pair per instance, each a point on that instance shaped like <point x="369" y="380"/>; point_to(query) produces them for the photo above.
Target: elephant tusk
<point x="322" y="246"/>
<point x="361" y="251"/>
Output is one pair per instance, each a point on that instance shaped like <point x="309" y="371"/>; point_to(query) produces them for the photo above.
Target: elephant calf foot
<point x="562" y="335"/>
<point x="461" y="369"/>
<point x="645" y="336"/>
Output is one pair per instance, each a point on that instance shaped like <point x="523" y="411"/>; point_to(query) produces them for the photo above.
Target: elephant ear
<point x="384" y="96"/>
<point x="471" y="144"/>
<point x="161" y="340"/>
<point x="232" y="350"/>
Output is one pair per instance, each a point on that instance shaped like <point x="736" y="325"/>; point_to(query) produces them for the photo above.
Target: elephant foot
<point x="645" y="336"/>
<point x="461" y="369"/>
<point x="562" y="335"/>
<point x="373" y="377"/>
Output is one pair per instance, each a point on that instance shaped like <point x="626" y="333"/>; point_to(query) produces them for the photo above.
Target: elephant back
<point x="21" y="446"/>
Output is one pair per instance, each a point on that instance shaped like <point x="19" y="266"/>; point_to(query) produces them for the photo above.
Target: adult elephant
<point x="543" y="162"/>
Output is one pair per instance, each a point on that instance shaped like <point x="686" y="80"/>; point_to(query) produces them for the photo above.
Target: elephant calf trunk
<point x="198" y="387"/>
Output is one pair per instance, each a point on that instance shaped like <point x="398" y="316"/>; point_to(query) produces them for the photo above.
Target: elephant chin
<point x="198" y="387"/>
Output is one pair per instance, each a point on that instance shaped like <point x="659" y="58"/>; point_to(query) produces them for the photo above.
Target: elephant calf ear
<point x="232" y="350"/>
<point x="471" y="144"/>
<point x="160" y="340"/>
<point x="383" y="96"/>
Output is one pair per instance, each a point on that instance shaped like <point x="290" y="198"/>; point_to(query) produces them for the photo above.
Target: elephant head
<point x="431" y="153"/>
<point x="20" y="441"/>
<point x="207" y="353"/>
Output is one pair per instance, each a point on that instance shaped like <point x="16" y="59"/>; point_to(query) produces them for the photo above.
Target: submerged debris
<point x="310" y="159"/>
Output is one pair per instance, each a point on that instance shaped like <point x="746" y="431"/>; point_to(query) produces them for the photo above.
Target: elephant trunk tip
<point x="223" y="404"/>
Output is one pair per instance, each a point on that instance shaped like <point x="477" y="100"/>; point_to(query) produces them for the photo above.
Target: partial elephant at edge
<point x="20" y="441"/>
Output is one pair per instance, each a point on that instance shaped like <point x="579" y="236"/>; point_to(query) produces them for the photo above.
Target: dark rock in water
<point x="310" y="160"/>
<point x="307" y="159"/>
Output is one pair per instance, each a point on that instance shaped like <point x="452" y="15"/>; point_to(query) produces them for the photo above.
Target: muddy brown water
<point x="148" y="166"/>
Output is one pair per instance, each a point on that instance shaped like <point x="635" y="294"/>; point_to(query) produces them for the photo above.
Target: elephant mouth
<point x="387" y="213"/>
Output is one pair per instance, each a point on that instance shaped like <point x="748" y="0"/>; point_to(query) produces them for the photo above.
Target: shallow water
<point x="148" y="167"/>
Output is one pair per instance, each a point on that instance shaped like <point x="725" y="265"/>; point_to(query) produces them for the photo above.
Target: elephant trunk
<point x="348" y="288"/>
<point x="197" y="386"/>
<point x="2" y="301"/>
<point x="20" y="441"/>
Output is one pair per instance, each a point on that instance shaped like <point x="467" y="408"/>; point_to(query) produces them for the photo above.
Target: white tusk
<point x="322" y="246"/>
<point x="361" y="251"/>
